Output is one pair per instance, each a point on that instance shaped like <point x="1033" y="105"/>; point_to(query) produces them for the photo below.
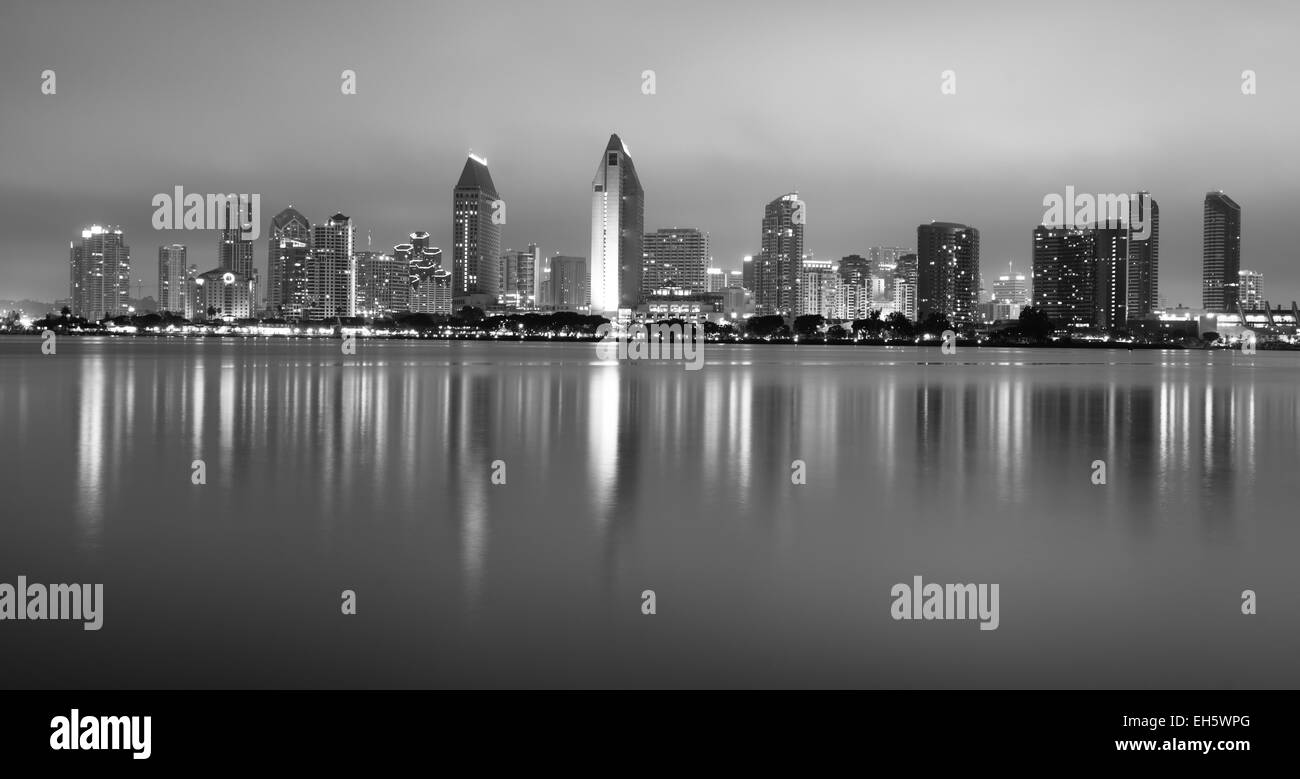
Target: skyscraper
<point x="100" y="278"/>
<point x="948" y="260"/>
<point x="522" y="281"/>
<point x="821" y="288"/>
<point x="172" y="273"/>
<point x="676" y="257"/>
<point x="234" y="253"/>
<point x="286" y="264"/>
<point x="476" y="241"/>
<point x="1144" y="260"/>
<point x="1250" y="286"/>
<point x="569" y="277"/>
<point x="222" y="294"/>
<point x="331" y="270"/>
<point x="1221" y="253"/>
<point x="883" y="261"/>
<point x="430" y="283"/>
<point x="905" y="280"/>
<point x="779" y="265"/>
<point x="617" y="232"/>
<point x="1110" y="293"/>
<point x="541" y="279"/>
<point x="715" y="280"/>
<point x="855" y="269"/>
<point x="1064" y="274"/>
<point x="383" y="284"/>
<point x="1010" y="296"/>
<point x="747" y="272"/>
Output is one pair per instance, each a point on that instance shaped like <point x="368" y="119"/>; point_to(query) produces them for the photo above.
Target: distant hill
<point x="30" y="307"/>
<point x="38" y="308"/>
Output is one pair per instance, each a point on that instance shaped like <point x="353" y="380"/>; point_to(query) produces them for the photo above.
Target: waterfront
<point x="371" y="472"/>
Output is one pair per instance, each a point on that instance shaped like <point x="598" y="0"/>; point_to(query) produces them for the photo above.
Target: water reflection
<point x="625" y="455"/>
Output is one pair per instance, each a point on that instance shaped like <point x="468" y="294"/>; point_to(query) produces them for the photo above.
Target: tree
<point x="808" y="324"/>
<point x="764" y="326"/>
<point x="1035" y="324"/>
<point x="66" y="312"/>
<point x="898" y="324"/>
<point x="934" y="323"/>
<point x="470" y="314"/>
<point x="871" y="325"/>
<point x="836" y="333"/>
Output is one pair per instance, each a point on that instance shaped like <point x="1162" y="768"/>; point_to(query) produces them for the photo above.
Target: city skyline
<point x="873" y="147"/>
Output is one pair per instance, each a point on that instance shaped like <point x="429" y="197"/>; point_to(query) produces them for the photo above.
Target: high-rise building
<point x="172" y="273"/>
<point x="331" y="269"/>
<point x="428" y="283"/>
<point x="617" y="231"/>
<point x="383" y="284"/>
<point x="1065" y="274"/>
<point x="1010" y="295"/>
<point x="222" y="293"/>
<point x="520" y="280"/>
<point x="747" y="272"/>
<point x="286" y="263"/>
<point x="821" y="289"/>
<point x="855" y="269"/>
<point x="778" y="270"/>
<point x="948" y="259"/>
<point x="100" y="273"/>
<point x="569" y="278"/>
<point x="1110" y="294"/>
<point x="541" y="280"/>
<point x="1144" y="259"/>
<point x="905" y="280"/>
<point x="234" y="253"/>
<point x="674" y="257"/>
<point x="883" y="260"/>
<point x="1250" y="286"/>
<point x="715" y="280"/>
<point x="1221" y="253"/>
<point x="476" y="242"/>
<point x="853" y="300"/>
<point x="430" y="289"/>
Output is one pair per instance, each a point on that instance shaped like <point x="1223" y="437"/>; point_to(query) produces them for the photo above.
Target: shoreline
<point x="802" y="342"/>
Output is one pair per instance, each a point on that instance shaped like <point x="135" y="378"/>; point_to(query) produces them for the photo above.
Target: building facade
<point x="1064" y="275"/>
<point x="331" y="270"/>
<point x="1221" y="253"/>
<point x="617" y="232"/>
<point x="477" y="216"/>
<point x="100" y="273"/>
<point x="948" y="260"/>
<point x="287" y="249"/>
<point x="675" y="257"/>
<point x="173" y="272"/>
<point x="1144" y="260"/>
<point x="778" y="270"/>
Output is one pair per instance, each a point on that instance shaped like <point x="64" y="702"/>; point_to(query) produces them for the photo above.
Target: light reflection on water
<point x="372" y="472"/>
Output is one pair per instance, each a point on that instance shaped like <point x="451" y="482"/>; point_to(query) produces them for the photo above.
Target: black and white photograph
<point x="360" y="358"/>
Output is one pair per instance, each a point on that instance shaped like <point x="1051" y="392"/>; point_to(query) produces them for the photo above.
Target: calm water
<point x="372" y="473"/>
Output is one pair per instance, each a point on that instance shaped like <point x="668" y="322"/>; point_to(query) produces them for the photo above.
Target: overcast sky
<point x="840" y="101"/>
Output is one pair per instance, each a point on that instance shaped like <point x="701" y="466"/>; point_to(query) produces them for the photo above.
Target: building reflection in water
<point x="408" y="437"/>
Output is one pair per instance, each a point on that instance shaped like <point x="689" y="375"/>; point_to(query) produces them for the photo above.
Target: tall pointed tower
<point x="617" y="231"/>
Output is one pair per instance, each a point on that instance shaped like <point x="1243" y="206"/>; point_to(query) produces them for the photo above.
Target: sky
<point x="840" y="101"/>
